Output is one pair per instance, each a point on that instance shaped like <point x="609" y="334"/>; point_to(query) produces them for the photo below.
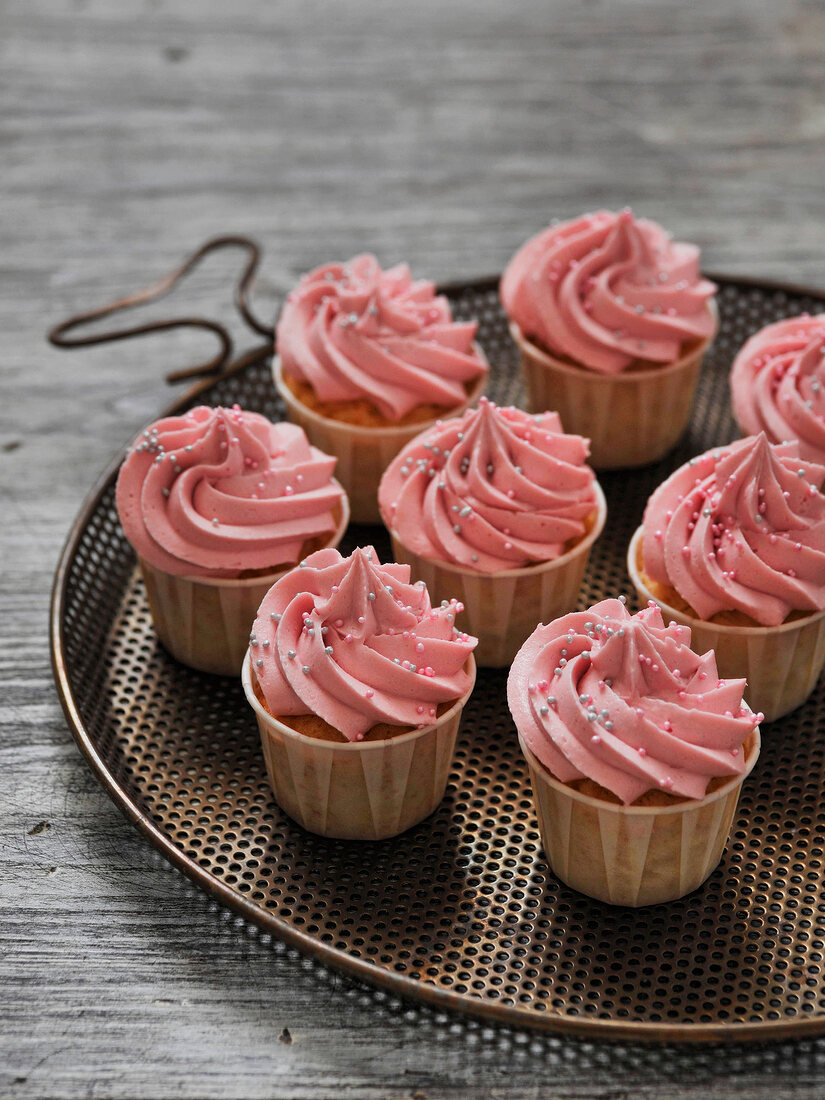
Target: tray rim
<point x="413" y="989"/>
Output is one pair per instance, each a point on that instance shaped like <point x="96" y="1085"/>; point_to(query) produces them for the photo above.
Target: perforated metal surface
<point x="461" y="910"/>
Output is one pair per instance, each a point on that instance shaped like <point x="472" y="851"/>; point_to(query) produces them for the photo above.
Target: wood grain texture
<point x="443" y="134"/>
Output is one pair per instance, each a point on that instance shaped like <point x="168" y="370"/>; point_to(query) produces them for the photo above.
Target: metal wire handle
<point x="59" y="335"/>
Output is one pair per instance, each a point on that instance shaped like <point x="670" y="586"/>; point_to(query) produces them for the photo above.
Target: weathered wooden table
<point x="441" y="134"/>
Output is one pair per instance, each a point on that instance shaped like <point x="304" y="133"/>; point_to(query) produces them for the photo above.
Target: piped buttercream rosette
<point x="495" y="489"/>
<point x="219" y="491"/>
<point x="778" y="384"/>
<point x="624" y="701"/>
<point x="354" y="331"/>
<point x="741" y="528"/>
<point x="606" y="290"/>
<point x="354" y="642"/>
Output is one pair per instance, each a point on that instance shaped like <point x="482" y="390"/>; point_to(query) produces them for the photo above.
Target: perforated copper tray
<point x="462" y="910"/>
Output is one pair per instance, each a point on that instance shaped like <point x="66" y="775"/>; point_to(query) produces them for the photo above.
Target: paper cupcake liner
<point x="631" y="419"/>
<point x="781" y="663"/>
<point x="503" y="609"/>
<point x="362" y="790"/>
<point x="633" y="855"/>
<point x="363" y="454"/>
<point x="205" y="621"/>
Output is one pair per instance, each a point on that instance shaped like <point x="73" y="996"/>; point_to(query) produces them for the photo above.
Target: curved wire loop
<point x="60" y="336"/>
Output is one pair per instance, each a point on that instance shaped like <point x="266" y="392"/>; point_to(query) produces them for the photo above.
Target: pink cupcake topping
<point x="606" y="289"/>
<point x="624" y="701"/>
<point x="778" y="384"/>
<point x="494" y="489"/>
<point x="356" y="643"/>
<point x="741" y="528"/>
<point x="219" y="491"/>
<point x="354" y="331"/>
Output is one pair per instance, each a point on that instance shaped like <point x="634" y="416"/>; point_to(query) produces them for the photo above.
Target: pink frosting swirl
<point x="624" y="701"/>
<point x="741" y="528"/>
<point x="354" y="642"/>
<point x="778" y="384"/>
<point x="606" y="290"/>
<point x="219" y="491"/>
<point x="353" y="331"/>
<point x="494" y="489"/>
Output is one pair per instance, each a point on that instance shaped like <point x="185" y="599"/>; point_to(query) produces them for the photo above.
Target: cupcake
<point x="777" y="384"/>
<point x="733" y="545"/>
<point x="612" y="319"/>
<point x="499" y="508"/>
<point x="358" y="685"/>
<point x="217" y="503"/>
<point x="637" y="752"/>
<point x="366" y="359"/>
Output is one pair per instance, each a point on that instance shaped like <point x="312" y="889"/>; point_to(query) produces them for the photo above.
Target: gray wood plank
<point x="441" y="134"/>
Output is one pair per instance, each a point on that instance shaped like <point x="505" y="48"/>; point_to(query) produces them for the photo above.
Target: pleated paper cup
<point x="631" y="419"/>
<point x="205" y="621"/>
<point x="363" y="453"/>
<point x="360" y="790"/>
<point x="633" y="855"/>
<point x="781" y="663"/>
<point x="503" y="609"/>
